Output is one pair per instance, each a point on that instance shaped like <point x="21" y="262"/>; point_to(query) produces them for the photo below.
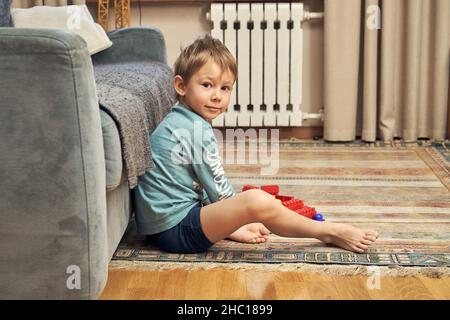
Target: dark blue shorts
<point x="186" y="237"/>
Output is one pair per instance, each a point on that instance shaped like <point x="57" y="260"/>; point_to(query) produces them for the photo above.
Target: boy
<point x="188" y="171"/>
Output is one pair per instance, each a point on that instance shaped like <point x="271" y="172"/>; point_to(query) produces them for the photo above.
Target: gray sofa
<point x="64" y="197"/>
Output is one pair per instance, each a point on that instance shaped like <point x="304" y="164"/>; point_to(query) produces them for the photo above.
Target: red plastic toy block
<point x="284" y="198"/>
<point x="272" y="189"/>
<point x="293" y="204"/>
<point x="307" y="212"/>
<point x="289" y="202"/>
<point x="248" y="187"/>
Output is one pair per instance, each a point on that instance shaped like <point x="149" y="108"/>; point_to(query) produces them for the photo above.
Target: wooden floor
<point x="179" y="284"/>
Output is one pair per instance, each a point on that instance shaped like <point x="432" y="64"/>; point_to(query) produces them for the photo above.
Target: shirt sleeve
<point x="205" y="199"/>
<point x="209" y="170"/>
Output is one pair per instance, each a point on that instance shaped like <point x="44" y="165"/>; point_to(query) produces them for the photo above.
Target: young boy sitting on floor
<point x="188" y="172"/>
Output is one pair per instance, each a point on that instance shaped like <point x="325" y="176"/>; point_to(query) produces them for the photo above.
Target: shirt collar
<point x="188" y="112"/>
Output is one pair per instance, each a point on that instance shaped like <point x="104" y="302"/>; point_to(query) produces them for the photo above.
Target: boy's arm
<point x="210" y="173"/>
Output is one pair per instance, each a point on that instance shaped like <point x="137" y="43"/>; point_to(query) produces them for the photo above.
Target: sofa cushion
<point x="113" y="152"/>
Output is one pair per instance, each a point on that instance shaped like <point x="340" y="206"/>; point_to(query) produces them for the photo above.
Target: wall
<point x="182" y="23"/>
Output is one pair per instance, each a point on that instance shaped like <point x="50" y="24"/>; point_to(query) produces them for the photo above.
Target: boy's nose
<point x="216" y="96"/>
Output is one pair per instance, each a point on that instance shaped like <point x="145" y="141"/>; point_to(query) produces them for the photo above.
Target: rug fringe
<point x="347" y="270"/>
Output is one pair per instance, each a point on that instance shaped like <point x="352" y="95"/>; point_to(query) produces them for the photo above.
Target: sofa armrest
<point x="133" y="44"/>
<point x="52" y="169"/>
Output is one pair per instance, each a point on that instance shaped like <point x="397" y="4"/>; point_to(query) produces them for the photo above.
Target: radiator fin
<point x="267" y="41"/>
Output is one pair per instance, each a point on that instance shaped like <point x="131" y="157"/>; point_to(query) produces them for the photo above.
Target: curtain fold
<point x="341" y="57"/>
<point x="32" y="3"/>
<point x="370" y="82"/>
<point x="395" y="77"/>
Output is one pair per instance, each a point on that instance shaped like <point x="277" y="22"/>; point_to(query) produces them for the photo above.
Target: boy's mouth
<point x="213" y="109"/>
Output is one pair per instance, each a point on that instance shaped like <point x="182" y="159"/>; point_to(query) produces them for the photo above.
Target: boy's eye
<point x="206" y="84"/>
<point x="225" y="88"/>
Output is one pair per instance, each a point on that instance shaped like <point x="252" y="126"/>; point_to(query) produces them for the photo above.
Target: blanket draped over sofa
<point x="137" y="95"/>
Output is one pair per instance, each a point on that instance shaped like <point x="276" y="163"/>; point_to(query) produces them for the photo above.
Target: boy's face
<point x="207" y="92"/>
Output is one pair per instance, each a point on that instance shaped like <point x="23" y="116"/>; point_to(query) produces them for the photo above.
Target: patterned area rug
<point x="401" y="190"/>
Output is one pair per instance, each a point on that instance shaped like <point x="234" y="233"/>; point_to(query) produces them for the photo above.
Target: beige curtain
<point x="32" y="3"/>
<point x="389" y="82"/>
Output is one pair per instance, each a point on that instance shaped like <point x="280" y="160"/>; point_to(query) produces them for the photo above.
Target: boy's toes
<point x="366" y="241"/>
<point x="263" y="230"/>
<point x="357" y="249"/>
<point x="369" y="238"/>
<point x="362" y="247"/>
<point x="255" y="240"/>
<point x="372" y="233"/>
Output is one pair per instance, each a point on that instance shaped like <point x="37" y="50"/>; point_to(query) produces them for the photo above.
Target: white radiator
<point x="267" y="41"/>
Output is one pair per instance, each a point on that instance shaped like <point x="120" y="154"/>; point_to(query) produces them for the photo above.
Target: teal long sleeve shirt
<point x="187" y="172"/>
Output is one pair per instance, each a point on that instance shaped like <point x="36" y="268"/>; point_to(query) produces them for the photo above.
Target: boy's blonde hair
<point x="194" y="56"/>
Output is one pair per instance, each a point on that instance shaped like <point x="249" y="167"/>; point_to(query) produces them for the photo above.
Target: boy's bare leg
<point x="221" y="219"/>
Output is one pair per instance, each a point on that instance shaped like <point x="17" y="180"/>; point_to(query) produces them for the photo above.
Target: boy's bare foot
<point x="251" y="233"/>
<point x="349" y="237"/>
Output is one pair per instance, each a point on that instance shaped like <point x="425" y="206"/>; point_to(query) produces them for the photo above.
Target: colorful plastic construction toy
<point x="289" y="202"/>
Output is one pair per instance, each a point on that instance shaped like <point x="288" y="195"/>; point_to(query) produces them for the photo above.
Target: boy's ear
<point x="180" y="88"/>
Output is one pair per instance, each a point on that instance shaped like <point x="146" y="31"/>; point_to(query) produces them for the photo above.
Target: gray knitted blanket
<point x="5" y="13"/>
<point x="137" y="95"/>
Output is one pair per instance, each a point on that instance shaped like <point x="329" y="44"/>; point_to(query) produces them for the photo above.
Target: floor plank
<point x="226" y="282"/>
<point x="352" y="287"/>
<point x="439" y="288"/>
<point x="220" y="283"/>
<point x="201" y="285"/>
